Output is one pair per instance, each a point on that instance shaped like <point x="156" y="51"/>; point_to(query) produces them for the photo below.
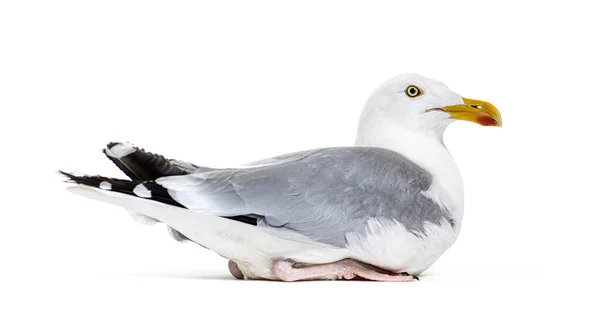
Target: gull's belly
<point x="390" y="246"/>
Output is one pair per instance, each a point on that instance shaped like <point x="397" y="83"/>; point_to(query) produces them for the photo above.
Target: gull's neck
<point x="426" y="150"/>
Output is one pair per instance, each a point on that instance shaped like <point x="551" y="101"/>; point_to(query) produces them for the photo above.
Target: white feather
<point x="387" y="244"/>
<point x="120" y="150"/>
<point x="141" y="191"/>
<point x="105" y="186"/>
<point x="252" y="248"/>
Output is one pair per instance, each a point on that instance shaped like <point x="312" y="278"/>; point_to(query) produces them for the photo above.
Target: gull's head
<point x="414" y="104"/>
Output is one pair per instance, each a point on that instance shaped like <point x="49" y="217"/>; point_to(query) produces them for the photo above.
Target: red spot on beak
<point x="485" y="120"/>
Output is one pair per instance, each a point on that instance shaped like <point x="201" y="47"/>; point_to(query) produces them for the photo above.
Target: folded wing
<point x="322" y="194"/>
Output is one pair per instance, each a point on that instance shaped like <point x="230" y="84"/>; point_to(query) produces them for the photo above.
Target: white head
<point x="414" y="104"/>
<point x="409" y="114"/>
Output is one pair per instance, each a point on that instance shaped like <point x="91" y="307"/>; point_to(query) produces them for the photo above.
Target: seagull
<point x="384" y="210"/>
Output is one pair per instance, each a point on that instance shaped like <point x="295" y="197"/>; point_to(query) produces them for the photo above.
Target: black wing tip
<point x="71" y="178"/>
<point x="67" y="176"/>
<point x="112" y="144"/>
<point x="88" y="180"/>
<point x="158" y="193"/>
<point x="139" y="164"/>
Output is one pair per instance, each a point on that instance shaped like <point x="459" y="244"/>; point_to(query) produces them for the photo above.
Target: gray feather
<point x="322" y="194"/>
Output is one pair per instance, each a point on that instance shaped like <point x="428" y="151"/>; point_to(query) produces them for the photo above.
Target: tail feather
<point x="143" y="168"/>
<point x="138" y="188"/>
<point x="144" y="189"/>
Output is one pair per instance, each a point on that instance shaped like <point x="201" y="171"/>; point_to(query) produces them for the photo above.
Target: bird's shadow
<point x="195" y="275"/>
<point x="189" y="275"/>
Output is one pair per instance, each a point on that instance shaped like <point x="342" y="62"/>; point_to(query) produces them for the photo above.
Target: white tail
<point x="231" y="239"/>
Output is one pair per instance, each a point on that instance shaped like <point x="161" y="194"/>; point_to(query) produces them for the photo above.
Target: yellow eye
<point x="413" y="91"/>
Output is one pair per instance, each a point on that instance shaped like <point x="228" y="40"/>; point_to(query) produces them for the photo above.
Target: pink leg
<point x="235" y="270"/>
<point x="344" y="269"/>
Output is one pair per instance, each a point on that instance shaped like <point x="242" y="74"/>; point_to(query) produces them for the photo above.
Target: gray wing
<point x="322" y="194"/>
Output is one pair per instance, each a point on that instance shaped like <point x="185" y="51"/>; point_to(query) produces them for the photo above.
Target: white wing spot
<point x="120" y="150"/>
<point x="105" y="186"/>
<point x="141" y="191"/>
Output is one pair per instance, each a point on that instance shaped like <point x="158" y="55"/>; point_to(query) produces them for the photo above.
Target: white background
<point x="228" y="83"/>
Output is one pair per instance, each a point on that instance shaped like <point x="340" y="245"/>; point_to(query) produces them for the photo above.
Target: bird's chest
<point x="390" y="246"/>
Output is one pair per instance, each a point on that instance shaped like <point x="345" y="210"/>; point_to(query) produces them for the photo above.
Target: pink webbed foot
<point x="235" y="270"/>
<point x="347" y="269"/>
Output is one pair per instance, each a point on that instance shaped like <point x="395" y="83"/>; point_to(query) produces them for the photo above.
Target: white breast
<point x="387" y="244"/>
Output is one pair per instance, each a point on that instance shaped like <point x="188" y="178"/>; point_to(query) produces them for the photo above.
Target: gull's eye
<point x="413" y="91"/>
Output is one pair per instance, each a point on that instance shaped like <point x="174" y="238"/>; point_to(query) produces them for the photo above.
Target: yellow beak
<point x="477" y="111"/>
